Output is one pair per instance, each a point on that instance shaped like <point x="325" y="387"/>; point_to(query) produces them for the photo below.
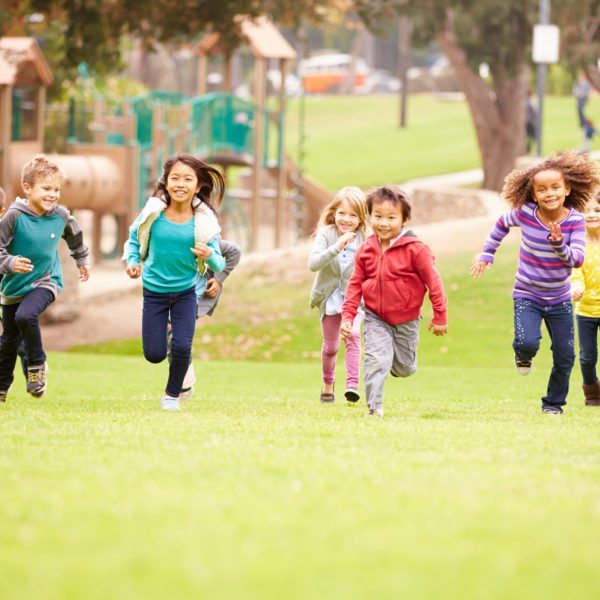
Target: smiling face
<point x="387" y="220"/>
<point x="346" y="218"/>
<point x="550" y="190"/>
<point x="592" y="216"/>
<point x="44" y="193"/>
<point x="182" y="184"/>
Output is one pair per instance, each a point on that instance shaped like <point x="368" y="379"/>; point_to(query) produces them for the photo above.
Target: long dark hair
<point x="212" y="183"/>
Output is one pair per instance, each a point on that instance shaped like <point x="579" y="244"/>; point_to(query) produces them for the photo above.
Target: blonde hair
<point x="2" y="198"/>
<point x="39" y="167"/>
<point x="581" y="175"/>
<point x="356" y="198"/>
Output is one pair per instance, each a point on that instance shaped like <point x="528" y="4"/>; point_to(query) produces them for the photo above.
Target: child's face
<point x="43" y="194"/>
<point x="182" y="183"/>
<point x="550" y="190"/>
<point x="346" y="218"/>
<point x="386" y="219"/>
<point x="592" y="215"/>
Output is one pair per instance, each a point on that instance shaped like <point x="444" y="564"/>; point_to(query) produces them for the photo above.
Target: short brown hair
<point x="39" y="166"/>
<point x="390" y="193"/>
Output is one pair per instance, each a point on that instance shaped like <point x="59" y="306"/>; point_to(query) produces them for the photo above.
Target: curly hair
<point x="355" y="197"/>
<point x="581" y="175"/>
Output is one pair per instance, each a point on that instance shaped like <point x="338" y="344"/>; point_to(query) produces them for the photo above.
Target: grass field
<point x="255" y="490"/>
<point x="356" y="139"/>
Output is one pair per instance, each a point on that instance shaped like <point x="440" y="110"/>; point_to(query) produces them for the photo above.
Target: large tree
<point x="497" y="33"/>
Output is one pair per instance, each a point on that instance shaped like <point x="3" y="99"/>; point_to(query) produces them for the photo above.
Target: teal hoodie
<point x="25" y="233"/>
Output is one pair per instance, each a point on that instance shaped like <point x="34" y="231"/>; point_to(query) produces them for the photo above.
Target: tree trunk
<point x="498" y="114"/>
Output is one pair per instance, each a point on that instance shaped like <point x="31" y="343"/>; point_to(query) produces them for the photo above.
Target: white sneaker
<point x="168" y="403"/>
<point x="376" y="412"/>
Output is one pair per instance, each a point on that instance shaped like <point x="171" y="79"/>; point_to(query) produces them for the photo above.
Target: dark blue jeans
<point x="180" y="309"/>
<point x="528" y="333"/>
<point x="587" y="329"/>
<point x="21" y="322"/>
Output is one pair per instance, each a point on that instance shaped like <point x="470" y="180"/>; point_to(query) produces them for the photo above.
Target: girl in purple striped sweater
<point x="546" y="200"/>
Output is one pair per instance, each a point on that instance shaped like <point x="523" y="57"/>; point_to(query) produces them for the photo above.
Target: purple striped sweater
<point x="544" y="266"/>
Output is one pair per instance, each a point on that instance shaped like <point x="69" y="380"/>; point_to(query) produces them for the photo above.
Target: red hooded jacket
<point x="393" y="283"/>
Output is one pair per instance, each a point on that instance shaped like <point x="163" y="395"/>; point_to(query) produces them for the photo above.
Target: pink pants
<point x="330" y="326"/>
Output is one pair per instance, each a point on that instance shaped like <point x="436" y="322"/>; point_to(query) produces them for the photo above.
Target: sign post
<point x="546" y="42"/>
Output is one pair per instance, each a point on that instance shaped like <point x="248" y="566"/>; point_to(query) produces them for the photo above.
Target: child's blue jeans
<point x="22" y="322"/>
<point x="587" y="328"/>
<point x="528" y="333"/>
<point x="180" y="308"/>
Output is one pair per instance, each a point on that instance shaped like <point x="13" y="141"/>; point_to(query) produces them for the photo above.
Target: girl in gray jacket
<point x="341" y="229"/>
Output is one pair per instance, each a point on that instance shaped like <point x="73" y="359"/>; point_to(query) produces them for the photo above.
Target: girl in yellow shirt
<point x="585" y="284"/>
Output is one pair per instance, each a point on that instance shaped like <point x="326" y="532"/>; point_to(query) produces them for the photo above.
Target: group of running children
<point x="372" y="272"/>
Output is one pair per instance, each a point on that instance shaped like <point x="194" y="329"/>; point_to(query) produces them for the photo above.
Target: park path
<point x="112" y="303"/>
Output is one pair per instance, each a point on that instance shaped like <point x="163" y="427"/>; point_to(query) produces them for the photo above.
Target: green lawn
<point x="356" y="139"/>
<point x="255" y="490"/>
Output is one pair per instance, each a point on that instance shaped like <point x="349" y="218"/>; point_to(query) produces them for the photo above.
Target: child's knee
<point x="403" y="370"/>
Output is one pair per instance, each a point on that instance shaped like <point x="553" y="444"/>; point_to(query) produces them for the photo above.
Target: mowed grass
<point x="356" y="140"/>
<point x="255" y="490"/>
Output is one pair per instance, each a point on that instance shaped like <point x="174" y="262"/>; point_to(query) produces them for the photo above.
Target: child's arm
<point x="231" y="253"/>
<point x="577" y="284"/>
<point x="134" y="266"/>
<point x="321" y="254"/>
<point x="353" y="297"/>
<point x="429" y="275"/>
<point x="78" y="249"/>
<point x="8" y="262"/>
<point x="572" y="254"/>
<point x="211" y="253"/>
<point x="492" y="243"/>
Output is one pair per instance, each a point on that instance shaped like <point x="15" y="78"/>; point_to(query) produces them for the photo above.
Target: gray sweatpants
<point x="388" y="349"/>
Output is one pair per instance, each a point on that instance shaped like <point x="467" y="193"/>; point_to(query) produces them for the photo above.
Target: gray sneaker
<point x="37" y="379"/>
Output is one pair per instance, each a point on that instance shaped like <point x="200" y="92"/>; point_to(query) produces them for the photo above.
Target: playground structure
<point x="113" y="171"/>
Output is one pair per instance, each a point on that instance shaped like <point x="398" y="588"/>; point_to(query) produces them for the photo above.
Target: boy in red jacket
<point x="392" y="271"/>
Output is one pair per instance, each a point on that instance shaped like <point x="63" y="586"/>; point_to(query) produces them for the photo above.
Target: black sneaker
<point x="37" y="380"/>
<point x="523" y="366"/>
<point x="352" y="395"/>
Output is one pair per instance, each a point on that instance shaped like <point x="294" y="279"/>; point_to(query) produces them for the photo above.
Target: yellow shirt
<point x="588" y="278"/>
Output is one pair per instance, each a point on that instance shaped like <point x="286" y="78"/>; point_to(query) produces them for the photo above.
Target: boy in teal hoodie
<point x="29" y="236"/>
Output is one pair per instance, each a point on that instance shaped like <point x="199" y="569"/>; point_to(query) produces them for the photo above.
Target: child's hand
<point x="555" y="232"/>
<point x="84" y="273"/>
<point x="346" y="239"/>
<point x="134" y="271"/>
<point x="213" y="287"/>
<point x="577" y="293"/>
<point x="438" y="329"/>
<point x="202" y="250"/>
<point x="479" y="267"/>
<point x="346" y="329"/>
<point x="22" y="265"/>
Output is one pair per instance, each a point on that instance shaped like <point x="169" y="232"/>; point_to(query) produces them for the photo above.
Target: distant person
<point x="172" y="242"/>
<point x="29" y="236"/>
<point x="208" y="292"/>
<point x="581" y="91"/>
<point x="589" y="131"/>
<point x="531" y="122"/>
<point x="393" y="270"/>
<point x="585" y="283"/>
<point x="341" y="230"/>
<point x="546" y="199"/>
